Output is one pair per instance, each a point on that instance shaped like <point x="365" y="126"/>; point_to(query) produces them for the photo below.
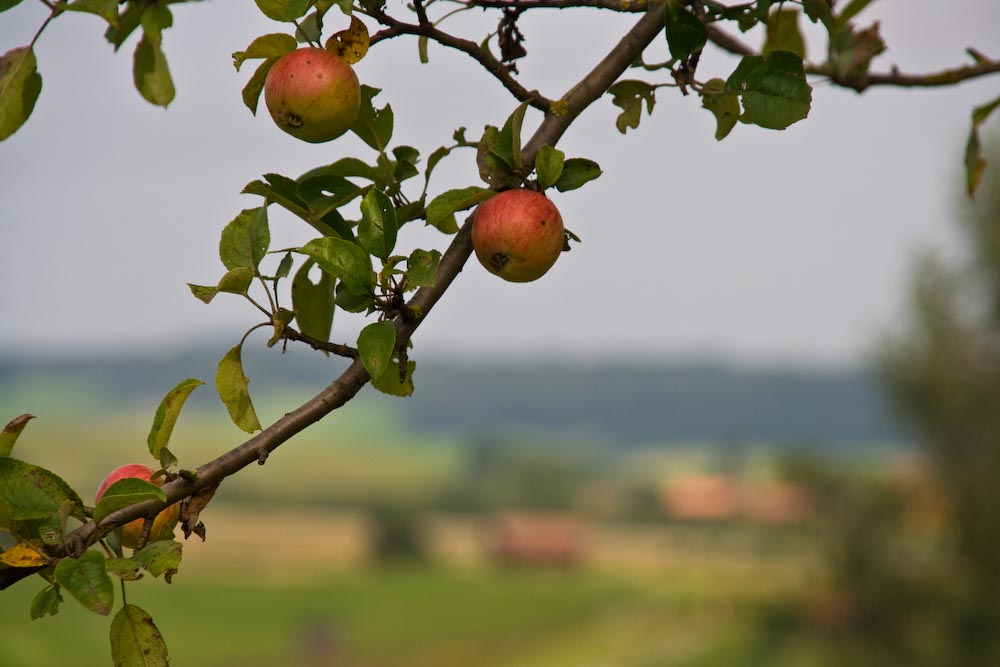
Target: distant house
<point x="723" y="497"/>
<point x="702" y="498"/>
<point x="544" y="539"/>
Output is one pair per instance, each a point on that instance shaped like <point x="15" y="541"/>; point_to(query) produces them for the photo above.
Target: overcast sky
<point x="768" y="246"/>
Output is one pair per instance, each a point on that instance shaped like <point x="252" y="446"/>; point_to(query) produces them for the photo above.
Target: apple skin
<point x="518" y="235"/>
<point x="165" y="521"/>
<point x="312" y="94"/>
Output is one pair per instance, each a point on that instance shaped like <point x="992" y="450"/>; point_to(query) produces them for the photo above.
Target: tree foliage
<point x="360" y="205"/>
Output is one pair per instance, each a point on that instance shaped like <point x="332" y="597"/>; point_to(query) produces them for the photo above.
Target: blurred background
<point x="750" y="420"/>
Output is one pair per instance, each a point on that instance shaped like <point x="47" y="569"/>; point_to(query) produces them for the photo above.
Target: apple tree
<point x="358" y="207"/>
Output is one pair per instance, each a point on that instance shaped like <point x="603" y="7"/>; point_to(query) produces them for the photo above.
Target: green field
<point x="410" y="617"/>
<point x="287" y="577"/>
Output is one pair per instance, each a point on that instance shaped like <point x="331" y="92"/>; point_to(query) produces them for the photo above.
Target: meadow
<point x="289" y="574"/>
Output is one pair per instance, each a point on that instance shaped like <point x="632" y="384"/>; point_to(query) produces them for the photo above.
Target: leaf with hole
<point x="343" y="260"/>
<point x="773" y="89"/>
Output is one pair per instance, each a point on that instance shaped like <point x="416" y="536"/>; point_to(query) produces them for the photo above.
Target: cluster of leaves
<point x="38" y="510"/>
<point x="358" y="270"/>
<point x="770" y="89"/>
<point x="20" y="82"/>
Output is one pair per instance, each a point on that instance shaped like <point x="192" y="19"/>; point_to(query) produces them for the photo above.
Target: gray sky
<point x="768" y="246"/>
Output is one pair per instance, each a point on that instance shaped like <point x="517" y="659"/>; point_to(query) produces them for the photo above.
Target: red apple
<point x="163" y="524"/>
<point x="312" y="94"/>
<point x="518" y="235"/>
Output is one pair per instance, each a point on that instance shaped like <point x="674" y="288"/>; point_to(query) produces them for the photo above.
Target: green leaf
<point x="348" y="167"/>
<point x="251" y="91"/>
<point x="508" y="144"/>
<point x="128" y="21"/>
<point x="166" y="415"/>
<point x="421" y="267"/>
<point x="11" y="432"/>
<point x="160" y="557"/>
<point x="125" y="492"/>
<point x="783" y="33"/>
<point x="819" y="10"/>
<point x="106" y="9"/>
<point x="441" y="211"/>
<point x="390" y="382"/>
<point x="548" y="166"/>
<point x="31" y="492"/>
<point x="86" y="579"/>
<point x="343" y="260"/>
<point x="20" y="84"/>
<point x="281" y="319"/>
<point x="245" y="240"/>
<point x="149" y="69"/>
<point x="126" y="569"/>
<point x="352" y="302"/>
<point x="8" y="4"/>
<point x="236" y="281"/>
<point x="373" y="126"/>
<point x="421" y="48"/>
<point x="284" y="267"/>
<point x="46" y="603"/>
<point x="493" y="169"/>
<point x="852" y="9"/>
<point x="975" y="165"/>
<point x="231" y="383"/>
<point x="325" y="193"/>
<point x="686" y="34"/>
<point x="724" y="104"/>
<point x="310" y="29"/>
<point x="283" y="191"/>
<point x="269" y="46"/>
<point x="376" y="344"/>
<point x="313" y="302"/>
<point x="629" y="95"/>
<point x="407" y="158"/>
<point x="577" y="171"/>
<point x="773" y="88"/>
<point x="284" y="10"/>
<point x="377" y="230"/>
<point x="135" y="639"/>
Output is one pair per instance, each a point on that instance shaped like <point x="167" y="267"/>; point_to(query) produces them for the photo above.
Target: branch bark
<point x="395" y="28"/>
<point x="948" y="77"/>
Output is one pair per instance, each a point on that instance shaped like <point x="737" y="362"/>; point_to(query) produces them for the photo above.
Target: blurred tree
<point x="943" y="374"/>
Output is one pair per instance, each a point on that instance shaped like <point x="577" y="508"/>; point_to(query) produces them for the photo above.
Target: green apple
<point x="312" y="94"/>
<point x="518" y="235"/>
<point x="165" y="521"/>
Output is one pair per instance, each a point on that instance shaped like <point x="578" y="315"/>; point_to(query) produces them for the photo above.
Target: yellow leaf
<point x="350" y="44"/>
<point x="21" y="555"/>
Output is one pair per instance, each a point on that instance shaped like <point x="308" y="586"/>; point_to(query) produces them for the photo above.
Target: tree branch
<point x="948" y="77"/>
<point x="633" y="6"/>
<point x="350" y="382"/>
<point x="395" y="28"/>
<point x="597" y="82"/>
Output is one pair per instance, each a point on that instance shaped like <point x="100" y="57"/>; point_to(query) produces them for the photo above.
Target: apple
<point x="165" y="521"/>
<point x="312" y="94"/>
<point x="518" y="235"/>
